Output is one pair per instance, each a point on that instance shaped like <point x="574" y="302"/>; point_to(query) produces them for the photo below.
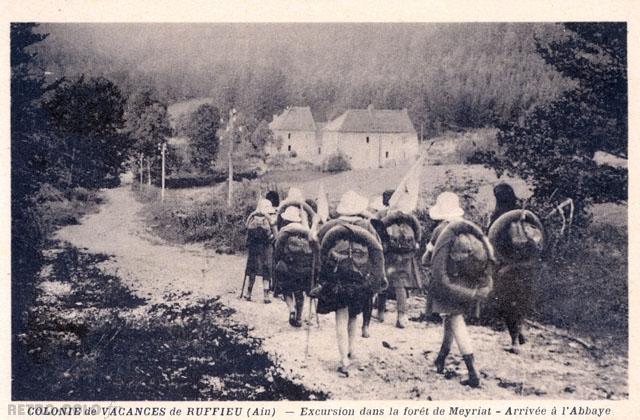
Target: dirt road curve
<point x="549" y="367"/>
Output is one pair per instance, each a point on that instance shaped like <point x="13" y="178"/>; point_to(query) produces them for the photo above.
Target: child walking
<point x="260" y="237"/>
<point x="461" y="259"/>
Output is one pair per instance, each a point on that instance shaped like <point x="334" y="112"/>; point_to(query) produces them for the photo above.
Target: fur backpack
<point x="345" y="243"/>
<point x="258" y="228"/>
<point x="294" y="250"/>
<point x="299" y="204"/>
<point x="468" y="257"/>
<point x="517" y="235"/>
<point x="402" y="232"/>
<point x="469" y="251"/>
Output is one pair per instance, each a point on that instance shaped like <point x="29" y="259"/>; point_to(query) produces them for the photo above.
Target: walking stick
<point x="306" y="347"/>
<point x="311" y="303"/>
<point x="244" y="281"/>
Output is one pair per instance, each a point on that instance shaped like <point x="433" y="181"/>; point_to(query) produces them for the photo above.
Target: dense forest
<point x="449" y="76"/>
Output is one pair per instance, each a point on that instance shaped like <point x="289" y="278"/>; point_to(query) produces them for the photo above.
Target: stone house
<point x="371" y="138"/>
<point x="297" y="134"/>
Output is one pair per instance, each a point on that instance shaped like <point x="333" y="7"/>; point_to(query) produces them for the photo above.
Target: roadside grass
<point x="584" y="287"/>
<point x="54" y="208"/>
<point x="210" y="220"/>
<point x="90" y="338"/>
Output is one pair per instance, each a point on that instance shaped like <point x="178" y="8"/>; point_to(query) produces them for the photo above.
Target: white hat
<point x="295" y="195"/>
<point x="447" y="207"/>
<point x="376" y="203"/>
<point x="292" y="214"/>
<point x="264" y="206"/>
<point x="352" y="203"/>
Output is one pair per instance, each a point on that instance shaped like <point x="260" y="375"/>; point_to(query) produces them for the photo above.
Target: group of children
<point x="368" y="252"/>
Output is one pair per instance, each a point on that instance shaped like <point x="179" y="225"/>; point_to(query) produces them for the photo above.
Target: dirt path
<point x="549" y="366"/>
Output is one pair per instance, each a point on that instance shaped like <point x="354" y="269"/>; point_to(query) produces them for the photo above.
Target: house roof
<point x="372" y="120"/>
<point x="295" y="118"/>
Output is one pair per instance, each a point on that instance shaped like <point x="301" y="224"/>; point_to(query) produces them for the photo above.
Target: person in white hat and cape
<point x="352" y="269"/>
<point x="260" y="236"/>
<point x="457" y="248"/>
<point x="293" y="255"/>
<point x="446" y="209"/>
<point x="401" y="238"/>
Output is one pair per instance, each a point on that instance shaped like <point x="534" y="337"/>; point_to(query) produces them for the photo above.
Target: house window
<point x="386" y="155"/>
<point x="367" y="139"/>
<point x="289" y="137"/>
<point x="319" y="150"/>
<point x="289" y="147"/>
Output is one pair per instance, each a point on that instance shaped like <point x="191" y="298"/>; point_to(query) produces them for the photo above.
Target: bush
<point x="213" y="223"/>
<point x="52" y="208"/>
<point x="198" y="180"/>
<point x="336" y="162"/>
<point x="584" y="285"/>
<point x="83" y="195"/>
<point x="278" y="161"/>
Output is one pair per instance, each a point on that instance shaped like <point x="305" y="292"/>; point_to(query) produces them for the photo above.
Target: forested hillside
<point x="447" y="75"/>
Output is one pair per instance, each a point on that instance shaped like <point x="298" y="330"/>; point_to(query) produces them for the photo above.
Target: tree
<point x="29" y="148"/>
<point x="271" y="96"/>
<point x="86" y="117"/>
<point x="202" y="130"/>
<point x="260" y="138"/>
<point x="29" y="166"/>
<point x="553" y="147"/>
<point x="147" y="123"/>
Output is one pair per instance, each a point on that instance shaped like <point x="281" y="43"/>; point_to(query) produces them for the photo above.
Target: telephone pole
<point x="163" y="150"/>
<point x="230" y="130"/>
<point x="141" y="169"/>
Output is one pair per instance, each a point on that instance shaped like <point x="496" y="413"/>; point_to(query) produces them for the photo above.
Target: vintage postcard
<point x="319" y="210"/>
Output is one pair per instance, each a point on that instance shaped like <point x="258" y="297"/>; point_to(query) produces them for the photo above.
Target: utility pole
<point x="163" y="150"/>
<point x="141" y="170"/>
<point x="230" y="129"/>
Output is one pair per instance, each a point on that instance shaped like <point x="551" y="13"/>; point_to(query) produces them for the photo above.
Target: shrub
<point x="213" y="223"/>
<point x="336" y="162"/>
<point x="199" y="180"/>
<point x="83" y="194"/>
<point x="53" y="208"/>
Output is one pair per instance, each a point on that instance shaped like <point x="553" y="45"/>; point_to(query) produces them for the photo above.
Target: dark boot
<point x="382" y="300"/>
<point x="292" y="320"/>
<point x="265" y="290"/>
<point x="521" y="338"/>
<point x="514" y="325"/>
<point x="299" y="298"/>
<point x="366" y="315"/>
<point x="441" y="359"/>
<point x="474" y="380"/>
<point x="252" y="281"/>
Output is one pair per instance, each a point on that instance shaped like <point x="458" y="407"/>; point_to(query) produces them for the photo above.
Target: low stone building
<point x="371" y="138"/>
<point x="296" y="134"/>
